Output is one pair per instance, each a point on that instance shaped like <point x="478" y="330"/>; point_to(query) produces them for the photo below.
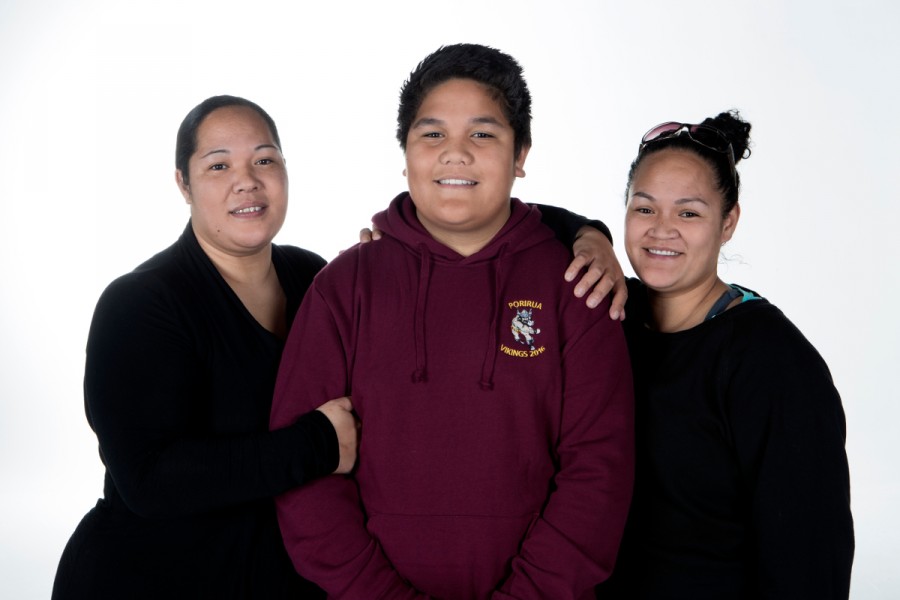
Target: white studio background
<point x="92" y="92"/>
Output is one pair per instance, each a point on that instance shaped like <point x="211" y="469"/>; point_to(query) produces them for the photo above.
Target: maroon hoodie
<point x="496" y="454"/>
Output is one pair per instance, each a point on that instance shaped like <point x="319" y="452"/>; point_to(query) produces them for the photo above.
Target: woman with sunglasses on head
<point x="742" y="485"/>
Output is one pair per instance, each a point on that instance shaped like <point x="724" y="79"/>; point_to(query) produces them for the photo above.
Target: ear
<point x="183" y="187"/>
<point x="404" y="173"/>
<point x="730" y="222"/>
<point x="520" y="161"/>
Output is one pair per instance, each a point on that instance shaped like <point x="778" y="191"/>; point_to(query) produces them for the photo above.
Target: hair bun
<point x="736" y="129"/>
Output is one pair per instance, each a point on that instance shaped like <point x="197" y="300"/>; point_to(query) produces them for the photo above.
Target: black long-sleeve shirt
<point x="742" y="487"/>
<point x="178" y="386"/>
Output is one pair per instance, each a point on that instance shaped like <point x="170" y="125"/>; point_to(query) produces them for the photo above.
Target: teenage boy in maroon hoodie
<point x="496" y="457"/>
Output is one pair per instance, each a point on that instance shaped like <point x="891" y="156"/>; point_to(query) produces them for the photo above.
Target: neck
<point x="462" y="244"/>
<point x="250" y="269"/>
<point x="255" y="282"/>
<point x="466" y="242"/>
<point x="684" y="310"/>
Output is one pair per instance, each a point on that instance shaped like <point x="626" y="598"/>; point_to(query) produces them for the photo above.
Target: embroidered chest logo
<point x="524" y="330"/>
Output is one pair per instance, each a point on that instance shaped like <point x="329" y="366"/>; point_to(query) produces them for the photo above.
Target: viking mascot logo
<point x="523" y="328"/>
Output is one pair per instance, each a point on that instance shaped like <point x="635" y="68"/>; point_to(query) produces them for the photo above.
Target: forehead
<point x="232" y="124"/>
<point x="676" y="168"/>
<point x="462" y="96"/>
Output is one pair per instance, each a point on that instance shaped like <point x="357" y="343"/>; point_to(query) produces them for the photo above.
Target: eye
<point x="265" y="161"/>
<point x="689" y="214"/>
<point x="432" y="134"/>
<point x="482" y="135"/>
<point x="217" y="167"/>
<point x="643" y="210"/>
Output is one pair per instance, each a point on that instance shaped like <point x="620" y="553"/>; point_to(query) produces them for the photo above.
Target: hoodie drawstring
<point x="490" y="354"/>
<point x="421" y="372"/>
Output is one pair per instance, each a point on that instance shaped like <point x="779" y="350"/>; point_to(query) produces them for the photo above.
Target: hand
<point x="340" y="412"/>
<point x="594" y="252"/>
<point x="367" y="235"/>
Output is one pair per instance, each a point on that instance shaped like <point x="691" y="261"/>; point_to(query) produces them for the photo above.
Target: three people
<point x="496" y="408"/>
<point x="742" y="486"/>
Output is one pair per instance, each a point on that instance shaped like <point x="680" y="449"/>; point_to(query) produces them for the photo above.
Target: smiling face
<point x="238" y="183"/>
<point x="461" y="165"/>
<point x="674" y="226"/>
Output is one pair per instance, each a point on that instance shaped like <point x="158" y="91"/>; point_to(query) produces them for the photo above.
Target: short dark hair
<point x="488" y="66"/>
<point x="734" y="128"/>
<point x="186" y="142"/>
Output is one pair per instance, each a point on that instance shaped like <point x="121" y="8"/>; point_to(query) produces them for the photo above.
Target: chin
<point x="256" y="242"/>
<point x="659" y="282"/>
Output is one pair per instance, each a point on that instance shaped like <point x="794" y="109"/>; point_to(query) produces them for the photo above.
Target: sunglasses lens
<point x="661" y="131"/>
<point x="704" y="135"/>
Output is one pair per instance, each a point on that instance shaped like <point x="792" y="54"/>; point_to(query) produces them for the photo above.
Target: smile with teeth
<point x="659" y="252"/>
<point x="247" y="211"/>
<point x="455" y="182"/>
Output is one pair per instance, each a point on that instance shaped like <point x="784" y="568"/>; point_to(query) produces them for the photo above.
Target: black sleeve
<point x="147" y="397"/>
<point x="566" y="223"/>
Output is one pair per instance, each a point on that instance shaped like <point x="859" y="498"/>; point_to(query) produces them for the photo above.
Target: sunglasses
<point x="706" y="136"/>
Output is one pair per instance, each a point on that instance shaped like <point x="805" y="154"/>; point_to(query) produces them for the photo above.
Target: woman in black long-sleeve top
<point x="181" y="363"/>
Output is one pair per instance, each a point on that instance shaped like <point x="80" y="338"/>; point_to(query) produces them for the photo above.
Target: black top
<point x="178" y="387"/>
<point x="742" y="486"/>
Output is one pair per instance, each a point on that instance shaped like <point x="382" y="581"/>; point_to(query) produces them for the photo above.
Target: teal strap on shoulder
<point x="734" y="292"/>
<point x="747" y="294"/>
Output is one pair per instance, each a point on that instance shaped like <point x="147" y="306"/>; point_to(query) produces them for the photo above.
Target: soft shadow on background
<point x="92" y="94"/>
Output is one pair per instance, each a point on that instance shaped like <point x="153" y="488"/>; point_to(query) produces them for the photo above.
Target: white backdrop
<point x="92" y="92"/>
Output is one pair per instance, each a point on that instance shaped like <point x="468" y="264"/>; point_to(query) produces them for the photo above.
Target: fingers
<point x="344" y="403"/>
<point x="575" y="267"/>
<point x="346" y="427"/>
<point x="591" y="278"/>
<point x="597" y="284"/>
<point x="599" y="292"/>
<point x="367" y="235"/>
<point x="620" y="296"/>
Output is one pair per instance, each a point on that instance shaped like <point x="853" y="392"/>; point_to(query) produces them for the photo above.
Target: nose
<point x="662" y="228"/>
<point x="456" y="153"/>
<point x="245" y="180"/>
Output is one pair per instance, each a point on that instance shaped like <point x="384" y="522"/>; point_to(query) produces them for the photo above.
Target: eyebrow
<point x="680" y="201"/>
<point x="226" y="151"/>
<point x="429" y="121"/>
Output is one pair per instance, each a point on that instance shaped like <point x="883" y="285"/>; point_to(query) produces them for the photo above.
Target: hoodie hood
<point x="522" y="230"/>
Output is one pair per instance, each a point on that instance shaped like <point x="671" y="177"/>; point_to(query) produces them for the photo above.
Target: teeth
<point x="247" y="211"/>
<point x="455" y="182"/>
<point x="662" y="252"/>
